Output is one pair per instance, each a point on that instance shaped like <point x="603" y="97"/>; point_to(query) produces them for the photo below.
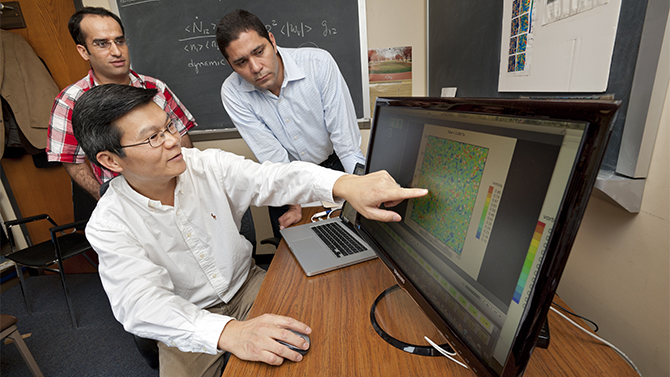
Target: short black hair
<point x="96" y="111"/>
<point x="233" y="24"/>
<point x="74" y="25"/>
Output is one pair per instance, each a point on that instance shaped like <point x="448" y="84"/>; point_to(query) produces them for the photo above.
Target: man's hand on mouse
<point x="256" y="339"/>
<point x="367" y="193"/>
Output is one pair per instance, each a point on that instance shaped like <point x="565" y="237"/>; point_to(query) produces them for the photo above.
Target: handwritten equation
<point x="199" y="36"/>
<point x="300" y="29"/>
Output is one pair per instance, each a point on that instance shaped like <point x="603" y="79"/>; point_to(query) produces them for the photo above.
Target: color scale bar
<point x="528" y="263"/>
<point x="482" y="220"/>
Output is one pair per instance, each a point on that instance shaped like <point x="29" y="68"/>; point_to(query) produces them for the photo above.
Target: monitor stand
<point x="386" y="322"/>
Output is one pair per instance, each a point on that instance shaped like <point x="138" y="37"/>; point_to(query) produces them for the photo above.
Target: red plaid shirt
<point x="63" y="147"/>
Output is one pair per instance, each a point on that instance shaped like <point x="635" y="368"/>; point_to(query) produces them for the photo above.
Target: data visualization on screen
<point x="462" y="170"/>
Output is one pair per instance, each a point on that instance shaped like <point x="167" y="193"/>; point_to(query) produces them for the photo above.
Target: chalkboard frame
<point x="207" y="131"/>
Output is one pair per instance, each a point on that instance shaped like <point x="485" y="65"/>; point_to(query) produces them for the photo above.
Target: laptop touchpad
<point x="307" y="245"/>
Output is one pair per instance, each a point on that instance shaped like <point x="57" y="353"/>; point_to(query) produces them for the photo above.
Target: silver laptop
<point x="327" y="245"/>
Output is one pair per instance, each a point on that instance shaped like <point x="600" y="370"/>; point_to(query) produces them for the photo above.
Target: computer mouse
<point x="294" y="348"/>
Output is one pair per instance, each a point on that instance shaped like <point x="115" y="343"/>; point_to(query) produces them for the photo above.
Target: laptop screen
<point x="501" y="176"/>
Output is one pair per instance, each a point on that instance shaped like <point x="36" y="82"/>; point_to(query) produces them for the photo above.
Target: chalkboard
<point x="464" y="39"/>
<point x="175" y="41"/>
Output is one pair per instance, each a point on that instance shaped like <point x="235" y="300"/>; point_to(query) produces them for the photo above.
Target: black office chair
<point x="248" y="230"/>
<point x="66" y="242"/>
<point x="149" y="347"/>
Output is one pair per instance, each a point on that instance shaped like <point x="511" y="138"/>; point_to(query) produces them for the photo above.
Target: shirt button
<point x="295" y="138"/>
<point x="303" y="153"/>
<point x="214" y="276"/>
<point x="188" y="235"/>
<point x="202" y="255"/>
<point x="288" y="120"/>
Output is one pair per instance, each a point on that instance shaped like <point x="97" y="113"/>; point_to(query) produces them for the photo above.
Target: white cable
<point x="328" y="212"/>
<point x="448" y="355"/>
<point x="623" y="355"/>
<point x="316" y="216"/>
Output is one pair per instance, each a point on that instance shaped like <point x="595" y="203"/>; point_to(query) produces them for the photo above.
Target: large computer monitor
<point x="509" y="181"/>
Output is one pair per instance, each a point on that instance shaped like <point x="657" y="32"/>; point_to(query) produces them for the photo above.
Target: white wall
<point x="397" y="23"/>
<point x="619" y="268"/>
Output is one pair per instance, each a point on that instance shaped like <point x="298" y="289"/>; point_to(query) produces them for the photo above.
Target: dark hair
<point x="74" y="25"/>
<point x="97" y="109"/>
<point x="233" y="24"/>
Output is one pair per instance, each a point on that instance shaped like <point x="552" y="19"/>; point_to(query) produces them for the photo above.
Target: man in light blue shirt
<point x="288" y="104"/>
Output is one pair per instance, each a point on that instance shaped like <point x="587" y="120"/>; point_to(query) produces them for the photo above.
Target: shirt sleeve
<point x="61" y="144"/>
<point x="253" y="130"/>
<point x="275" y="184"/>
<point x="175" y="108"/>
<point x="340" y="116"/>
<point x="141" y="293"/>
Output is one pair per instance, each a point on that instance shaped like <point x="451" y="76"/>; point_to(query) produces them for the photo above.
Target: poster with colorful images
<point x="518" y="61"/>
<point x="390" y="73"/>
<point x="571" y="54"/>
<point x="390" y="64"/>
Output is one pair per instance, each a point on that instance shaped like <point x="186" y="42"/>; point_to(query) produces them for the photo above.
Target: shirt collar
<point x="291" y="70"/>
<point x="134" y="78"/>
<point x="123" y="187"/>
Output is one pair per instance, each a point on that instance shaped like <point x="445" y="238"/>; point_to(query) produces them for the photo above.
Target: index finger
<point x="406" y="193"/>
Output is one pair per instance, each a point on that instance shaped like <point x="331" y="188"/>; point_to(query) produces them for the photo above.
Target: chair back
<point x="82" y="202"/>
<point x="248" y="230"/>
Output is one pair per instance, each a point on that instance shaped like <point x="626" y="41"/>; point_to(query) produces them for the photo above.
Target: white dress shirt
<point x="161" y="265"/>
<point x="312" y="117"/>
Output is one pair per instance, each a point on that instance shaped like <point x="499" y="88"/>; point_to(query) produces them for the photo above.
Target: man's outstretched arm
<point x="368" y="192"/>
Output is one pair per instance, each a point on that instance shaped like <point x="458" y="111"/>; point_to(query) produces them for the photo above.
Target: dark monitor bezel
<point x="599" y="116"/>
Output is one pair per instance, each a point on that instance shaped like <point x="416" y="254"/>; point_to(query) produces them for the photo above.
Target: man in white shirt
<point x="172" y="261"/>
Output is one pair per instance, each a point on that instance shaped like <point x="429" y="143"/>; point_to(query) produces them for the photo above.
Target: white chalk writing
<point x="207" y="63"/>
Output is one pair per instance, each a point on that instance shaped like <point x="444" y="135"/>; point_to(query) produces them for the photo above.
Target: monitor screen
<point x="508" y="181"/>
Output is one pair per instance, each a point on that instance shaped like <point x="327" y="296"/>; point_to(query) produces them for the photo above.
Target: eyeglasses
<point x="104" y="45"/>
<point x="157" y="139"/>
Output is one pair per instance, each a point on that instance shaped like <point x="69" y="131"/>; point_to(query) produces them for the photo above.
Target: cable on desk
<point x="578" y="316"/>
<point x="623" y="355"/>
<point x="316" y="216"/>
<point x="448" y="355"/>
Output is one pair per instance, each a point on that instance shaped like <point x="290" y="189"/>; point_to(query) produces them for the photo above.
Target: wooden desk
<point x="336" y="305"/>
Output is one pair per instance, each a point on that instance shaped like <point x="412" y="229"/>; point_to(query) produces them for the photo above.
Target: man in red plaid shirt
<point x="100" y="39"/>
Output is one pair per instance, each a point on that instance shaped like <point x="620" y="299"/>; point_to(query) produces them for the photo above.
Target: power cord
<point x="448" y="355"/>
<point x="595" y="325"/>
<point x="623" y="355"/>
<point x="316" y="217"/>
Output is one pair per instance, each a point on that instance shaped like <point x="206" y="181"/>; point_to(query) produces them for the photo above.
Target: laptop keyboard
<point x="338" y="240"/>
